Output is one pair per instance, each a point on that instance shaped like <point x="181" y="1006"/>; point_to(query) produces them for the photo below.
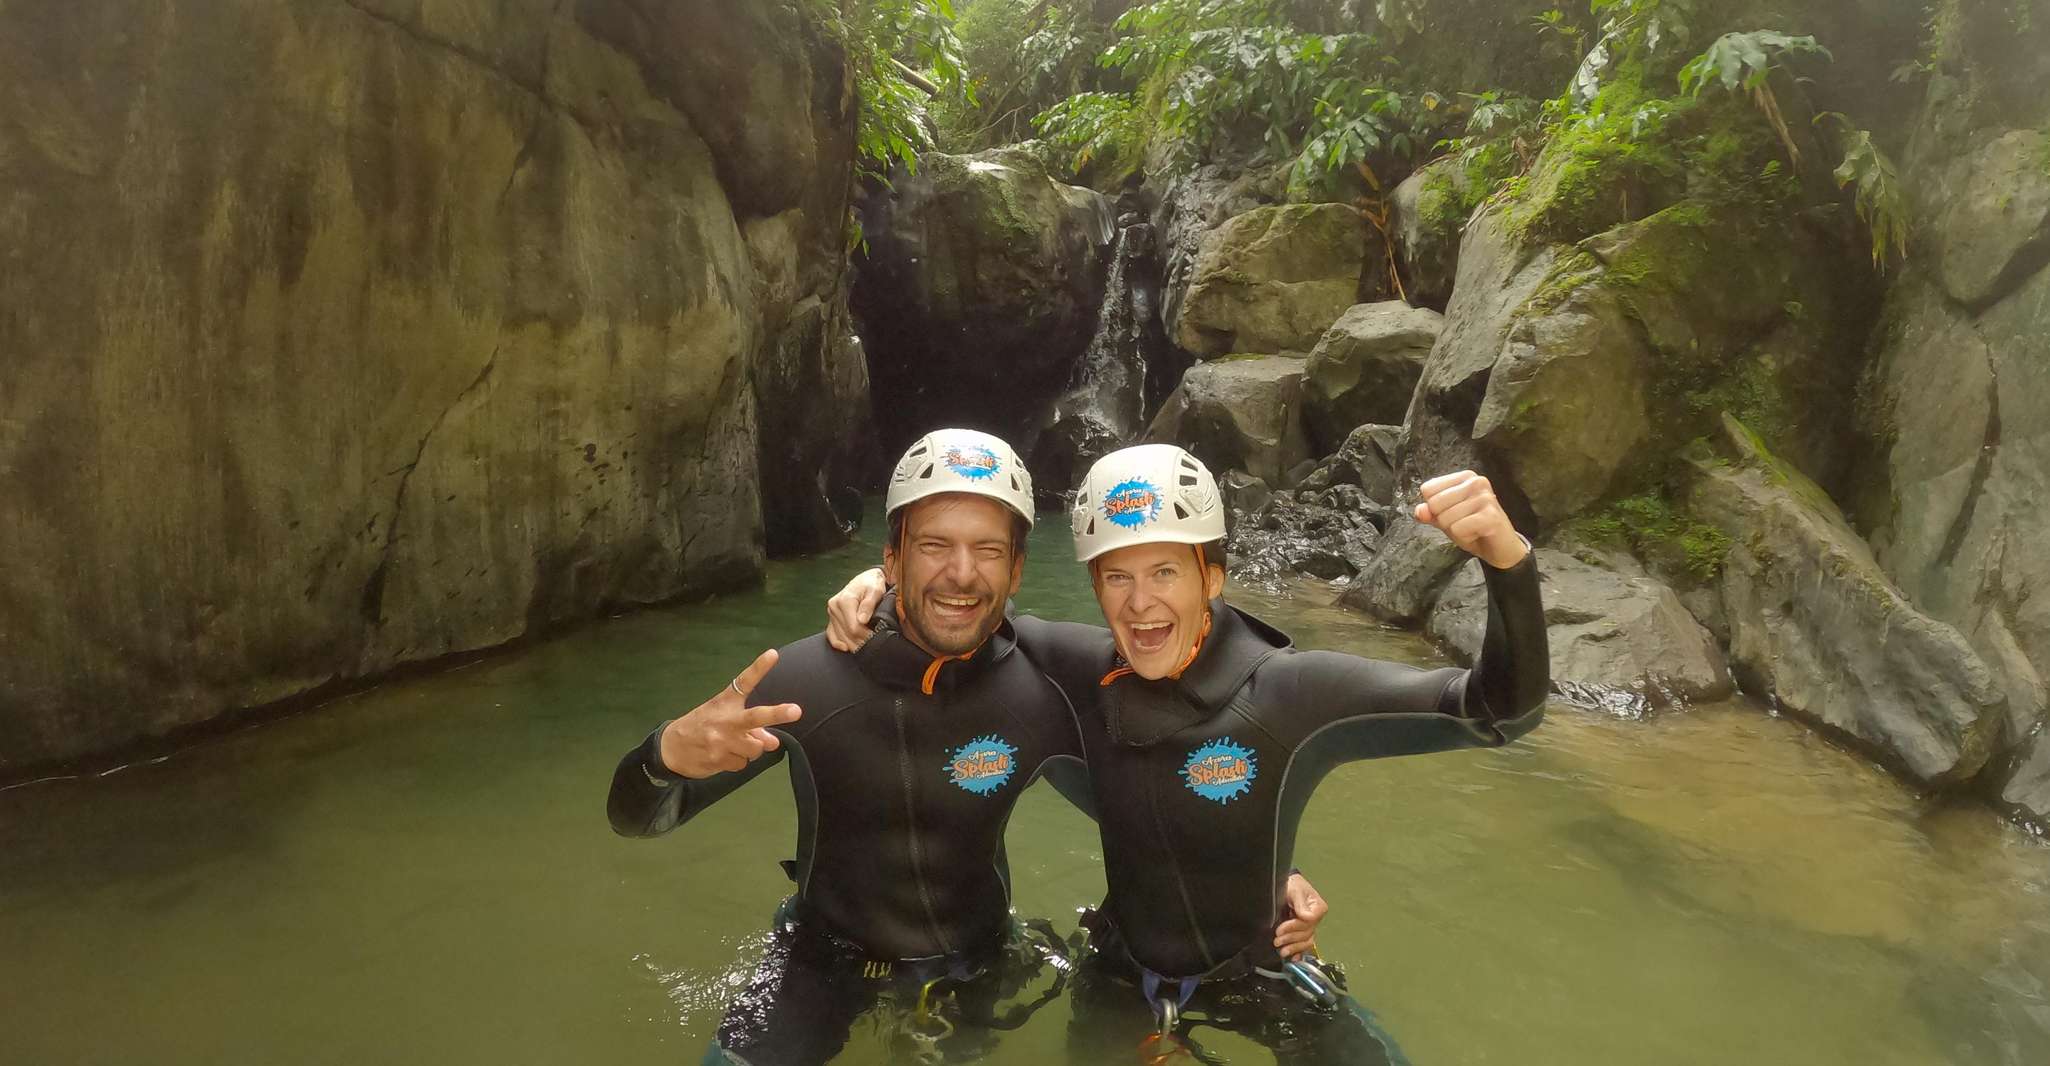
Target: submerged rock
<point x="1622" y="643"/>
<point x="1271" y="280"/>
<point x="1242" y="413"/>
<point x="1364" y="369"/>
<point x="1816" y="627"/>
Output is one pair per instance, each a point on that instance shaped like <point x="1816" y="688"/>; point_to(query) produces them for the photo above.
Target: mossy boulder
<point x="1364" y="369"/>
<point x="1272" y="279"/>
<point x="1429" y="212"/>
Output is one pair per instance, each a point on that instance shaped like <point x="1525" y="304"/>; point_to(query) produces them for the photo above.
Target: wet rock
<point x="1817" y="627"/>
<point x="1271" y="280"/>
<point x="1242" y="413"/>
<point x="1428" y="225"/>
<point x="1364" y="369"/>
<point x="1322" y="535"/>
<point x="1127" y="369"/>
<point x="1243" y="492"/>
<point x="1620" y="642"/>
<point x="978" y="293"/>
<point x="2027" y="789"/>
<point x="1410" y="565"/>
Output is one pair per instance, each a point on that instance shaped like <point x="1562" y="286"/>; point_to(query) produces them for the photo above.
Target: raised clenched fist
<point x="1463" y="507"/>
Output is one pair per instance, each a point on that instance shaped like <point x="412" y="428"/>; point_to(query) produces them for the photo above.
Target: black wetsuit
<point x="903" y="789"/>
<point x="1200" y="781"/>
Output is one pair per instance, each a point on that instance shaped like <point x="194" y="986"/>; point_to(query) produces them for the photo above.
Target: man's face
<point x="957" y="568"/>
<point x="1153" y="598"/>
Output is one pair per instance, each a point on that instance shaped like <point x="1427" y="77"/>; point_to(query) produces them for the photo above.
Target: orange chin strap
<point x="1194" y="649"/>
<point x="932" y="673"/>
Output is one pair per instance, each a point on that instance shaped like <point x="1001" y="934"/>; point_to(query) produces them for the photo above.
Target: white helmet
<point x="1148" y="494"/>
<point x="961" y="460"/>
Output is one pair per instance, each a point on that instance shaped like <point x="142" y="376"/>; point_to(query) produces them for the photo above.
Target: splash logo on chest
<point x="1220" y="770"/>
<point x="973" y="462"/>
<point x="982" y="765"/>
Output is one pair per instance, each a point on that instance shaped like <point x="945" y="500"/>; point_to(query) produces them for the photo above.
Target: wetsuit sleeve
<point x="1069" y="776"/>
<point x="1074" y="655"/>
<point x="647" y="800"/>
<point x="1370" y="708"/>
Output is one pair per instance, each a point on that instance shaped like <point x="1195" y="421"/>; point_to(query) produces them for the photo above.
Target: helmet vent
<point x="1091" y="531"/>
<point x="925" y="473"/>
<point x="1179" y="512"/>
<point x="1188" y="479"/>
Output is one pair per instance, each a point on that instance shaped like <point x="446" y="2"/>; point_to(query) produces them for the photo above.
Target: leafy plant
<point x="903" y="54"/>
<point x="1881" y="203"/>
<point x="1095" y="128"/>
<point x="1744" y="62"/>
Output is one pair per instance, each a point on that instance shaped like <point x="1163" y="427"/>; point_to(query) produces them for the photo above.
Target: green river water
<point x="423" y="873"/>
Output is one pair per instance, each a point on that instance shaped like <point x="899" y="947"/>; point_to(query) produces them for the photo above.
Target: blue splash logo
<point x="1131" y="504"/>
<point x="982" y="765"/>
<point x="1220" y="770"/>
<point x="974" y="462"/>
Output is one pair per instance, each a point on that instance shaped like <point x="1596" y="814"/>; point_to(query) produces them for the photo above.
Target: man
<point x="905" y="762"/>
<point x="1207" y="732"/>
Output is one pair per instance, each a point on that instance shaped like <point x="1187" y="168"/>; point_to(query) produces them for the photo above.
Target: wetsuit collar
<point x="891" y="659"/>
<point x="1236" y="644"/>
<point x="1141" y="712"/>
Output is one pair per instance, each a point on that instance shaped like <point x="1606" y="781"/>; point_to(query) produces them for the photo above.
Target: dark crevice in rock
<point x="1981" y="470"/>
<point x="373" y="589"/>
<point x="2028" y="260"/>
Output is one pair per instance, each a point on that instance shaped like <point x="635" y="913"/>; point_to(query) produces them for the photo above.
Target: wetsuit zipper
<point x="932" y="917"/>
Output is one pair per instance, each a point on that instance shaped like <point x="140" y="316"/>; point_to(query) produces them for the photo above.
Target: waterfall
<point x="1123" y="375"/>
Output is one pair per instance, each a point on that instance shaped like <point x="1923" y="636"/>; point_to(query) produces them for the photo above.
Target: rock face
<point x="1816" y="625"/>
<point x="1271" y="280"/>
<point x="1428" y="225"/>
<point x="977" y="294"/>
<point x="1621" y="642"/>
<point x="1239" y="414"/>
<point x="1960" y="388"/>
<point x="1364" y="368"/>
<point x="341" y="336"/>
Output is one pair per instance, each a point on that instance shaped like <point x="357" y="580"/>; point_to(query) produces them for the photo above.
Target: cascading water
<point x="1126" y="371"/>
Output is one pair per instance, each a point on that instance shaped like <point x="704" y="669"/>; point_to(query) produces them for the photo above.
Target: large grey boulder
<point x="1243" y="413"/>
<point x="1817" y="627"/>
<point x="977" y="293"/>
<point x="1992" y="216"/>
<point x="1364" y="369"/>
<point x="1270" y="280"/>
<point x="1619" y="641"/>
<point x="1411" y="565"/>
<point x="345" y="336"/>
